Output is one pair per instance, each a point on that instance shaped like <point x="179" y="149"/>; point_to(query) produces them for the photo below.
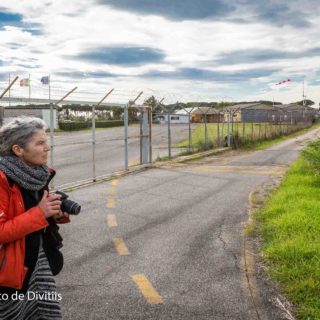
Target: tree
<point x="307" y="102"/>
<point x="154" y="104"/>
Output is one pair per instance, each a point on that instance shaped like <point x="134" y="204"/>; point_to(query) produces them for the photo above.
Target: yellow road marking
<point x="111" y="191"/>
<point x="121" y="247"/>
<point x="147" y="289"/>
<point x="115" y="182"/>
<point x="112" y="221"/>
<point x="111" y="203"/>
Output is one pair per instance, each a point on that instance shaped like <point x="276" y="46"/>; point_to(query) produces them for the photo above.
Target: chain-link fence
<point x="107" y="132"/>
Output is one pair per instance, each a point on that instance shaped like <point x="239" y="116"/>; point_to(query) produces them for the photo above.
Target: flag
<point x="24" y="82"/>
<point x="283" y="81"/>
<point x="45" y="80"/>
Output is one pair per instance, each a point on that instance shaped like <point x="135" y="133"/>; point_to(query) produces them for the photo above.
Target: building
<point x="295" y="113"/>
<point x="254" y="112"/>
<point x="42" y="112"/>
<point x="206" y="114"/>
<point x="174" y="118"/>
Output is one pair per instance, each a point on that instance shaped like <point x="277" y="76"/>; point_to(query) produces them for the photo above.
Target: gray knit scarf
<point x="30" y="178"/>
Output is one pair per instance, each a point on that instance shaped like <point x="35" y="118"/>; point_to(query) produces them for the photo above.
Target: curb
<point x="251" y="288"/>
<point x="179" y="159"/>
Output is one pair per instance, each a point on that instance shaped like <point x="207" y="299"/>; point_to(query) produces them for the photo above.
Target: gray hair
<point x="19" y="131"/>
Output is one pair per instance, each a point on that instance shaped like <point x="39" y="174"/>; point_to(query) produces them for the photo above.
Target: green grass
<point x="246" y="135"/>
<point x="258" y="136"/>
<point x="260" y="145"/>
<point x="290" y="229"/>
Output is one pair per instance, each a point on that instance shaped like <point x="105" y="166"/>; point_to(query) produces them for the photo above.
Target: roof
<point x="206" y="110"/>
<point x="295" y="107"/>
<point x="184" y="111"/>
<point x="252" y="106"/>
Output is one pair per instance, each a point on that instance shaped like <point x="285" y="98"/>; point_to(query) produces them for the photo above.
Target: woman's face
<point x="36" y="151"/>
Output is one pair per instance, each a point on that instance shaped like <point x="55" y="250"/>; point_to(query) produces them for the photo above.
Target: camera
<point x="69" y="206"/>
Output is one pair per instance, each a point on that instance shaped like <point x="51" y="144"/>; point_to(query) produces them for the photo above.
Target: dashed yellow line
<point x="121" y="247"/>
<point x="115" y="182"/>
<point x="111" y="203"/>
<point x="147" y="289"/>
<point x="112" y="221"/>
<point x="112" y="191"/>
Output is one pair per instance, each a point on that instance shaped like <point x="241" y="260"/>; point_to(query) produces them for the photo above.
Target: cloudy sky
<point x="177" y="49"/>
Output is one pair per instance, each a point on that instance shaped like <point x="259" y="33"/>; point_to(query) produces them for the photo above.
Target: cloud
<point x="124" y="56"/>
<point x="293" y="13"/>
<point x="187" y="46"/>
<point x="258" y="55"/>
<point x="280" y="13"/>
<point x="85" y="75"/>
<point x="208" y="75"/>
<point x="174" y="10"/>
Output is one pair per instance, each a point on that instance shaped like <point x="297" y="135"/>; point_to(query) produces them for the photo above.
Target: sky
<point x="179" y="50"/>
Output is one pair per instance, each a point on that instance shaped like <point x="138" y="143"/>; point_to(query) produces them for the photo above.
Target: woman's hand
<point x="50" y="204"/>
<point x="62" y="217"/>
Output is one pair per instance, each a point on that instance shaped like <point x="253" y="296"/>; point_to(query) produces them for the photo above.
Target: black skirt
<point x="40" y="302"/>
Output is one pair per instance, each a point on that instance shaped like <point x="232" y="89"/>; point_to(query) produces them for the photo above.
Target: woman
<point x="27" y="287"/>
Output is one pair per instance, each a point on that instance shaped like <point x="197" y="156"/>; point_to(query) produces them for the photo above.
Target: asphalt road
<point x="167" y="243"/>
<point x="73" y="150"/>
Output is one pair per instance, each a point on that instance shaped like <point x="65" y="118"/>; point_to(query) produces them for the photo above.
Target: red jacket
<point x="15" y="224"/>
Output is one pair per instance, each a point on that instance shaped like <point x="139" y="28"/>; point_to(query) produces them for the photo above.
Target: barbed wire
<point x="93" y="93"/>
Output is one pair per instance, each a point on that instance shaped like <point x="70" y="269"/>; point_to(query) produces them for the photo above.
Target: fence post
<point x="141" y="120"/>
<point x="1" y="115"/>
<point x="259" y="132"/>
<point x="150" y="133"/>
<point x="228" y="130"/>
<point x="243" y="130"/>
<point x="190" y="138"/>
<point x="205" y="132"/>
<point x="169" y="136"/>
<point x="51" y="141"/>
<point x="232" y="128"/>
<point x="252" y="128"/>
<point x="126" y="123"/>
<point x="218" y="130"/>
<point x="145" y="148"/>
<point x="93" y="131"/>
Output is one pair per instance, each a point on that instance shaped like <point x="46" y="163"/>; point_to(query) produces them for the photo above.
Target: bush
<point x="74" y="125"/>
<point x="108" y="123"/>
<point x="79" y="125"/>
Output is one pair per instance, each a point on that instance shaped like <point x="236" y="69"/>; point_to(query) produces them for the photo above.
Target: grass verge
<point x="256" y="136"/>
<point x="289" y="225"/>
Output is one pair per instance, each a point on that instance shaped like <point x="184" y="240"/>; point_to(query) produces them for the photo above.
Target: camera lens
<point x="70" y="207"/>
